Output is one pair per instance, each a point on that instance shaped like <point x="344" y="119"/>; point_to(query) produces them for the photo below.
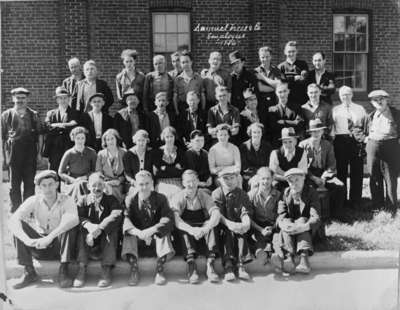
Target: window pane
<point x="183" y="23"/>
<point x="338" y="61"/>
<point x="348" y="78"/>
<point x="339" y="42"/>
<point x="172" y="42"/>
<point x="159" y="43"/>
<point x="360" y="80"/>
<point x="350" y="44"/>
<point x="361" y="43"/>
<point x="351" y="24"/>
<point x="171" y="23"/>
<point x="339" y="78"/>
<point x="361" y="24"/>
<point x="159" y="23"/>
<point x="338" y="24"/>
<point x="349" y="62"/>
<point x="183" y="39"/>
<point x="360" y="62"/>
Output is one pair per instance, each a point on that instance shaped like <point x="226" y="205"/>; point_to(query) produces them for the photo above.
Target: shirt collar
<point x="58" y="201"/>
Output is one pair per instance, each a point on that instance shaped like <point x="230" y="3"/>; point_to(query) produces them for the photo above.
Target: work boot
<point x="304" y="265"/>
<point x="261" y="256"/>
<point x="64" y="279"/>
<point x="134" y="273"/>
<point x="192" y="272"/>
<point x="290" y="265"/>
<point x="211" y="274"/>
<point x="243" y="274"/>
<point x="80" y="278"/>
<point x="105" y="279"/>
<point x="229" y="274"/>
<point x="30" y="276"/>
<point x="160" y="276"/>
<point x="277" y="262"/>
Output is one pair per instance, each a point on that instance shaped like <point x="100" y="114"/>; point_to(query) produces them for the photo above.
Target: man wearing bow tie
<point x="100" y="218"/>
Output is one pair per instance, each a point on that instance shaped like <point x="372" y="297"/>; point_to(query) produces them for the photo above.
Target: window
<point x="350" y="50"/>
<point x="171" y="33"/>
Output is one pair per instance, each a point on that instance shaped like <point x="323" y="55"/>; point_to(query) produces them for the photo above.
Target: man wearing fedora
<point x="321" y="165"/>
<point x="45" y="227"/>
<point x="298" y="219"/>
<point x="129" y="119"/>
<point x="242" y="79"/>
<point x="288" y="156"/>
<point x="58" y="124"/>
<point x="96" y="121"/>
<point x="22" y="143"/>
<point x="383" y="133"/>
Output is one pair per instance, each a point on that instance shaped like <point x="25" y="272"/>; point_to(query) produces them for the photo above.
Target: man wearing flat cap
<point x="383" y="133"/>
<point x="22" y="142"/>
<point x="236" y="211"/>
<point x="321" y="165"/>
<point x="288" y="156"/>
<point x="242" y="79"/>
<point x="44" y="227"/>
<point x="58" y="124"/>
<point x="298" y="219"/>
<point x="96" y="121"/>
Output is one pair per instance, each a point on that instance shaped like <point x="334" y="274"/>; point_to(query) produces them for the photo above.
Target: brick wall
<point x="38" y="37"/>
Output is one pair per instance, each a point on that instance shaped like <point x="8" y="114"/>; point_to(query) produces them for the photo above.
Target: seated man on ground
<point x="148" y="218"/>
<point x="236" y="209"/>
<point x="196" y="218"/>
<point x="45" y="228"/>
<point x="288" y="156"/>
<point x="322" y="167"/>
<point x="100" y="220"/>
<point x="298" y="218"/>
<point x="265" y="200"/>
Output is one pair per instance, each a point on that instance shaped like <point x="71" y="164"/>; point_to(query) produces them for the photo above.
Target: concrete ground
<point x="334" y="289"/>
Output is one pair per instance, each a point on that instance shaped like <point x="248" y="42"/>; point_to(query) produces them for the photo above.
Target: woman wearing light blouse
<point x="223" y="153"/>
<point x="109" y="163"/>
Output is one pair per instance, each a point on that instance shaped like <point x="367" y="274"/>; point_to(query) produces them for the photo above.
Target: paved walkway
<point x="335" y="289"/>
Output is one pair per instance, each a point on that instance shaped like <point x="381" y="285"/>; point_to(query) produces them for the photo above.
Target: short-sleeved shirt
<point x="216" y="117"/>
<point x="234" y="204"/>
<point x="344" y="115"/>
<point x="46" y="219"/>
<point x="183" y="84"/>
<point x="202" y="200"/>
<point x="265" y="206"/>
<point x="382" y="126"/>
<point x="212" y="79"/>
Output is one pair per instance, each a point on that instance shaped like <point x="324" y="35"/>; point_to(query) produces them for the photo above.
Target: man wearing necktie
<point x="148" y="222"/>
<point x="347" y="118"/>
<point x="100" y="218"/>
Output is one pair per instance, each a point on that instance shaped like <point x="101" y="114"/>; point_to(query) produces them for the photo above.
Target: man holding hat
<point x="321" y="164"/>
<point x="96" y="121"/>
<point x="44" y="227"/>
<point x="383" y="130"/>
<point x="288" y="156"/>
<point x="129" y="119"/>
<point x="242" y="79"/>
<point x="298" y="219"/>
<point x="22" y="143"/>
<point x="58" y="124"/>
<point x="236" y="211"/>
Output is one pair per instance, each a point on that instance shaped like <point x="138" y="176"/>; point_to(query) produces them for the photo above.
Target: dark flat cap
<point x="100" y="95"/>
<point x="61" y="91"/>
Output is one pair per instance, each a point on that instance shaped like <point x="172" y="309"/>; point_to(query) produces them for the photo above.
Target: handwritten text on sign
<point x="229" y="34"/>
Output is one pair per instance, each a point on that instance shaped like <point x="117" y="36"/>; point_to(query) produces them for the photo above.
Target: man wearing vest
<point x="22" y="143"/>
<point x="288" y="156"/>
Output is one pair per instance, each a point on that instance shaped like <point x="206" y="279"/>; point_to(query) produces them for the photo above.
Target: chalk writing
<point x="229" y="34"/>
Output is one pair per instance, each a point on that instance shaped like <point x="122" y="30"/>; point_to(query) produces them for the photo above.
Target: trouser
<point x="63" y="247"/>
<point x="22" y="170"/>
<point x="347" y="154"/>
<point x="293" y="244"/>
<point x="163" y="246"/>
<point x="235" y="248"/>
<point x="337" y="197"/>
<point x="191" y="246"/>
<point x="382" y="162"/>
<point x="262" y="242"/>
<point x="104" y="247"/>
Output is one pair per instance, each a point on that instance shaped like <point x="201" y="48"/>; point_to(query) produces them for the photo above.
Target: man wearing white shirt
<point x="346" y="117"/>
<point x="44" y="228"/>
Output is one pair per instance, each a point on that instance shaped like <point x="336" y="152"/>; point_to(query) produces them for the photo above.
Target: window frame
<point x="174" y="11"/>
<point x="358" y="93"/>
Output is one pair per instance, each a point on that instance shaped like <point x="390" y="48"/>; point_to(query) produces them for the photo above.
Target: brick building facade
<point x="38" y="37"/>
